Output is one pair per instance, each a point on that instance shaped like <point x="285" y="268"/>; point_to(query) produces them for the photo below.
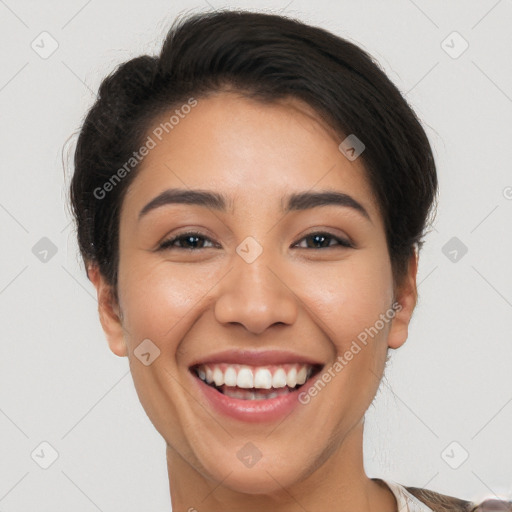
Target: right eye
<point x="192" y="241"/>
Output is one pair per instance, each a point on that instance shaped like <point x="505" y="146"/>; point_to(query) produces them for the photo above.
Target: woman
<point x="250" y="205"/>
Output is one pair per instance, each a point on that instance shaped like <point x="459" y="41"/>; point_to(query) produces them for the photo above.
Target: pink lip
<point x="252" y="411"/>
<point x="249" y="410"/>
<point x="256" y="358"/>
<point x="255" y="411"/>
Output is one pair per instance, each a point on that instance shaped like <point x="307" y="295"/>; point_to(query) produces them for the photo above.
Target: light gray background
<point x="59" y="383"/>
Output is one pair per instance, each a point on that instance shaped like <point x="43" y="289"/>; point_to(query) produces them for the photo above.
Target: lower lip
<point x="256" y="411"/>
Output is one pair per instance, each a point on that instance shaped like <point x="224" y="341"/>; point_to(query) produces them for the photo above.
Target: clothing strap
<point x="442" y="503"/>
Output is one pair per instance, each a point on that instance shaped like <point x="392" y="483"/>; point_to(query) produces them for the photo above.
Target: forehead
<point x="252" y="152"/>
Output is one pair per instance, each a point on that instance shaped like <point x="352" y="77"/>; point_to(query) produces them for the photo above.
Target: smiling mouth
<point x="246" y="382"/>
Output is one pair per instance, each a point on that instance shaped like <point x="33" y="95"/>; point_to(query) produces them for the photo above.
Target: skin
<point x="312" y="300"/>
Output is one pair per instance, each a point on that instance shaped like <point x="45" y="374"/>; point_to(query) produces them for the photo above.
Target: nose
<point x="256" y="296"/>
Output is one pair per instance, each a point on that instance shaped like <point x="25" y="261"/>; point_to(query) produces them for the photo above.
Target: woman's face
<point x="275" y="280"/>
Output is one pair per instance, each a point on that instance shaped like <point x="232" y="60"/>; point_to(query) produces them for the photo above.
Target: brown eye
<point x="196" y="241"/>
<point x="189" y="241"/>
<point x="324" y="240"/>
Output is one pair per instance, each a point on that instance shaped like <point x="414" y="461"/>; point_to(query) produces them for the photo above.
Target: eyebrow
<point x="296" y="202"/>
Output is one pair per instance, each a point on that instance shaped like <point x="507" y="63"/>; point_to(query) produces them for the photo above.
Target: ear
<point x="109" y="312"/>
<point x="406" y="295"/>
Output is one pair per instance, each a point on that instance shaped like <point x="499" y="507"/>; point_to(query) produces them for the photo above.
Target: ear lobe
<point x="406" y="296"/>
<point x="108" y="310"/>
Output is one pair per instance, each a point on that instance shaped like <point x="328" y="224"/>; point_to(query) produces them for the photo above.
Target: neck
<point x="336" y="482"/>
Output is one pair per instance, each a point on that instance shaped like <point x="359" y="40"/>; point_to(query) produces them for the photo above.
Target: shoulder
<point x="443" y="503"/>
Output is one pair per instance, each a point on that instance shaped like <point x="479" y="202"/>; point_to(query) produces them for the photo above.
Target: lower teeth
<point x="251" y="394"/>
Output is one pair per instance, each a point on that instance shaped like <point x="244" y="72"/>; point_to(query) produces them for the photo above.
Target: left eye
<point x="324" y="240"/>
<point x="193" y="241"/>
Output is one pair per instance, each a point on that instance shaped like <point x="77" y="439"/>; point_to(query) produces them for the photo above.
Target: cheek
<point x="348" y="297"/>
<point x="157" y="301"/>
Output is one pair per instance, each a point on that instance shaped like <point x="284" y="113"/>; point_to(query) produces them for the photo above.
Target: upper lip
<point x="256" y="358"/>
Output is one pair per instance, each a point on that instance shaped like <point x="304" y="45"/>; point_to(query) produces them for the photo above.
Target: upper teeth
<point x="263" y="377"/>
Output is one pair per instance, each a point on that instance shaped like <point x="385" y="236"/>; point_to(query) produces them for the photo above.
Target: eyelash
<point x="167" y="244"/>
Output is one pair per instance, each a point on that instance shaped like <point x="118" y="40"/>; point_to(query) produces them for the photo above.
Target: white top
<point x="406" y="501"/>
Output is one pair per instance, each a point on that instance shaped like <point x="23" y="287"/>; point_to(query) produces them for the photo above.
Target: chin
<point x="257" y="480"/>
<point x="266" y="473"/>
